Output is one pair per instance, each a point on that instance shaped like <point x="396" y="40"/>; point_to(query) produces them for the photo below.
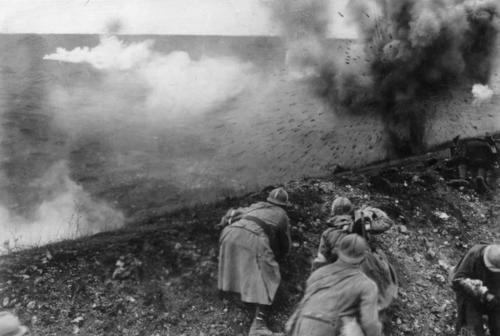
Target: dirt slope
<point x="159" y="277"/>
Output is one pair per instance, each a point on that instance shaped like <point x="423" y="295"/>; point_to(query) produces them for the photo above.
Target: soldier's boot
<point x="259" y="325"/>
<point x="259" y="328"/>
<point x="462" y="171"/>
<point x="481" y="186"/>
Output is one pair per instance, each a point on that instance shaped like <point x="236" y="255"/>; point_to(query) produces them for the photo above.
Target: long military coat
<point x="249" y="248"/>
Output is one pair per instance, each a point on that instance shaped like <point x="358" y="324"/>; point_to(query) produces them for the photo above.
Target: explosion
<point x="416" y="47"/>
<point x="407" y="51"/>
<point x="481" y="93"/>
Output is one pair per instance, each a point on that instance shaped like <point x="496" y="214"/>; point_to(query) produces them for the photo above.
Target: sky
<point x="191" y="17"/>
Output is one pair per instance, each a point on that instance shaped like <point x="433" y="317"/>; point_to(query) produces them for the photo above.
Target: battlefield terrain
<point x="171" y="179"/>
<point x="159" y="277"/>
<point x="269" y="133"/>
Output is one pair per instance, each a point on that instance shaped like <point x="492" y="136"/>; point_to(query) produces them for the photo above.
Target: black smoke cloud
<point x="407" y="50"/>
<point x="417" y="46"/>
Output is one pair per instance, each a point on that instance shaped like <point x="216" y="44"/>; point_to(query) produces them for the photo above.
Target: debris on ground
<point x="158" y="277"/>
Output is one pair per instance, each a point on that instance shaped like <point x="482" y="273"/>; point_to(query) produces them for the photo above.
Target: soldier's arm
<point x="231" y="216"/>
<point x="464" y="270"/>
<point x="369" y="319"/>
<point x="283" y="236"/>
<point x="324" y="247"/>
<point x="321" y="259"/>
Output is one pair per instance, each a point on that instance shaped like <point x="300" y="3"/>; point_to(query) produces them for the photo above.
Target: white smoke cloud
<point x="110" y="54"/>
<point x="176" y="83"/>
<point x="481" y="93"/>
<point x="67" y="212"/>
<point x="303" y="58"/>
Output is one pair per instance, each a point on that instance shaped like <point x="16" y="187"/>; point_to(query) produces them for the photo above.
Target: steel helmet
<point x="491" y="258"/>
<point x="10" y="325"/>
<point x="341" y="206"/>
<point x="279" y="196"/>
<point x="352" y="249"/>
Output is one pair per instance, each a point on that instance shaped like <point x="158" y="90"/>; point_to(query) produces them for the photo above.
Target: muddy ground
<point x="159" y="276"/>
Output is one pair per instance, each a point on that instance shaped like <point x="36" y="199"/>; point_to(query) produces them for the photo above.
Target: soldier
<point x="365" y="221"/>
<point x="476" y="281"/>
<point x="255" y="239"/>
<point x="479" y="156"/>
<point x="362" y="222"/>
<point x="341" y="223"/>
<point x="339" y="298"/>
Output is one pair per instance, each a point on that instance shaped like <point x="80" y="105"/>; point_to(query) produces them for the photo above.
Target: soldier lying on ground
<point x="362" y="222"/>
<point x="476" y="281"/>
<point x="255" y="239"/>
<point x="479" y="157"/>
<point x="339" y="298"/>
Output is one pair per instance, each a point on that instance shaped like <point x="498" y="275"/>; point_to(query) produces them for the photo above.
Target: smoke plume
<point x="113" y="109"/>
<point x="174" y="83"/>
<point x="66" y="212"/>
<point x="481" y="93"/>
<point x="39" y="202"/>
<point x="305" y="25"/>
<point x="407" y="51"/>
<point x="416" y="47"/>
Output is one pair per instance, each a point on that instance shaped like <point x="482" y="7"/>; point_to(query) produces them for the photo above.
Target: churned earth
<point x="173" y="182"/>
<point x="158" y="277"/>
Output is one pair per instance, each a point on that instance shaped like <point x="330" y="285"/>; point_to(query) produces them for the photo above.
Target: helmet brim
<point x="276" y="202"/>
<point x="487" y="261"/>
<point x="350" y="260"/>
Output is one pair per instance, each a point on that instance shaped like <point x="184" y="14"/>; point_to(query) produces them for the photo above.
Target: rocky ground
<point x="159" y="276"/>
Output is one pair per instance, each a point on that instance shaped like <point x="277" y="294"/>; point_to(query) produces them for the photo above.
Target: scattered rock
<point x="430" y="254"/>
<point x="403" y="229"/>
<point x="441" y="215"/>
<point x="126" y="266"/>
<point x="440" y="278"/>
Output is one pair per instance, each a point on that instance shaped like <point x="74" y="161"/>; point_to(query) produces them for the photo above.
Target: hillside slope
<point x="158" y="277"/>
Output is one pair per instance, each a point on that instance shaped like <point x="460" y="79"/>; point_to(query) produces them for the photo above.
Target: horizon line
<point x="158" y="34"/>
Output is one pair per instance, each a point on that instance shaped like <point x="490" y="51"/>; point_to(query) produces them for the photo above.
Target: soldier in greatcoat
<point x="476" y="281"/>
<point x="364" y="222"/>
<point x="251" y="245"/>
<point x="479" y="157"/>
<point x="339" y="298"/>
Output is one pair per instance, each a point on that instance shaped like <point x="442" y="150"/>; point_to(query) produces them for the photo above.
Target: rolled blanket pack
<point x="377" y="267"/>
